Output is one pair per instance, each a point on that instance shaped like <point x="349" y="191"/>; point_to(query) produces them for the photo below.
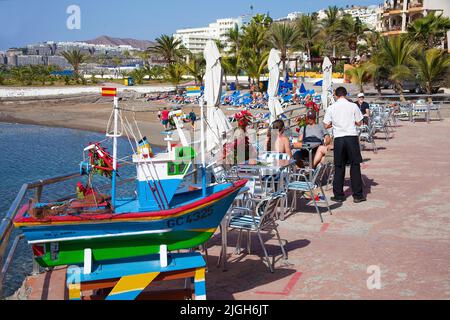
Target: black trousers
<point x="347" y="151"/>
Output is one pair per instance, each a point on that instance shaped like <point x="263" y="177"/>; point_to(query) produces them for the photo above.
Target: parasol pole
<point x="202" y="139"/>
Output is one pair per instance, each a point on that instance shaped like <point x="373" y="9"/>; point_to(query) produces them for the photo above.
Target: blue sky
<point x="30" y="21"/>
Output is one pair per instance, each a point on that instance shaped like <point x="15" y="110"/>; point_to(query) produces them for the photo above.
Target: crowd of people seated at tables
<point x="343" y="117"/>
<point x="242" y="150"/>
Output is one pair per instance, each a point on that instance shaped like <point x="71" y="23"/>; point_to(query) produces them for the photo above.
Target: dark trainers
<point x="338" y="199"/>
<point x="359" y="200"/>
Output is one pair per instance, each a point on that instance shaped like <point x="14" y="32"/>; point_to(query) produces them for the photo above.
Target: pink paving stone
<point x="403" y="228"/>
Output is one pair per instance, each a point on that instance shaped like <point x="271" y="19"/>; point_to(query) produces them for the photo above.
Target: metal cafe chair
<point x="301" y="184"/>
<point x="367" y="134"/>
<point x="262" y="219"/>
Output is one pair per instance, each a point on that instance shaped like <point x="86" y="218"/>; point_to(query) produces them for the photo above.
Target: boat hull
<point x="63" y="242"/>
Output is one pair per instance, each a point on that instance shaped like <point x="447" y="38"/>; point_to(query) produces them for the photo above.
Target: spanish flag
<point x="109" y="92"/>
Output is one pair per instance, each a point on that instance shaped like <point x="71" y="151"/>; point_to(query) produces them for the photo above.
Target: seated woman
<point x="240" y="150"/>
<point x="276" y="140"/>
<point x="313" y="132"/>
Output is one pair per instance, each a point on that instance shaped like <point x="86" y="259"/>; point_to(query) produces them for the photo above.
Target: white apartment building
<point x="321" y="14"/>
<point x="294" y="15"/>
<point x="195" y="39"/>
<point x="397" y="14"/>
<point x="367" y="15"/>
<point x="290" y="17"/>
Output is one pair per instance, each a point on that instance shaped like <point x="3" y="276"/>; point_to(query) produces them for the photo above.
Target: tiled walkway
<point x="403" y="231"/>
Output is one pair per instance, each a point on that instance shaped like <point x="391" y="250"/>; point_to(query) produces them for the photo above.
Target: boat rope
<point x="154" y="168"/>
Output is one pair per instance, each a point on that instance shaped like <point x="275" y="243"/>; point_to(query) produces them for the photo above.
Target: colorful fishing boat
<point x="162" y="213"/>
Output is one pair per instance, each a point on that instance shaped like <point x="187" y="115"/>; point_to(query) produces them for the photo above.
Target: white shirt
<point x="343" y="115"/>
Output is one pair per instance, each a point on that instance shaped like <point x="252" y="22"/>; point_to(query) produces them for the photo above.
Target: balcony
<point x="414" y="7"/>
<point x="393" y="30"/>
<point x="389" y="9"/>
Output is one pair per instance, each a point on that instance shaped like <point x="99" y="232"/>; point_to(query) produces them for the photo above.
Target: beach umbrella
<point x="274" y="80"/>
<point x="302" y="88"/>
<point x="327" y="84"/>
<point x="217" y="122"/>
<point x="318" y="83"/>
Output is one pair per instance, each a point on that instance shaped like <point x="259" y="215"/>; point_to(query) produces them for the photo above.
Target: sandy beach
<point x="85" y="113"/>
<point x="91" y="112"/>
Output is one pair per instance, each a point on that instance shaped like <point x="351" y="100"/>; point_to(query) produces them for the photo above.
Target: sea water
<point x="30" y="153"/>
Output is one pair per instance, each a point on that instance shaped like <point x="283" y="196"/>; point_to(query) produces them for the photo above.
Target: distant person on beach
<point x="165" y="118"/>
<point x="344" y="116"/>
<point x="313" y="133"/>
<point x="159" y="115"/>
<point x="364" y="107"/>
<point x="192" y="118"/>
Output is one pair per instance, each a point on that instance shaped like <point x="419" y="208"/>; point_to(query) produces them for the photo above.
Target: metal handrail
<point x="8" y="260"/>
<point x="7" y="222"/>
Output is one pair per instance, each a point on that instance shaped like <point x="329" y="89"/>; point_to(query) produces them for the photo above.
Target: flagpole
<point x="114" y="173"/>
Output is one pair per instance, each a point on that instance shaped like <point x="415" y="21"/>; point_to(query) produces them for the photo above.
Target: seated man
<point x="313" y="132"/>
<point x="364" y="107"/>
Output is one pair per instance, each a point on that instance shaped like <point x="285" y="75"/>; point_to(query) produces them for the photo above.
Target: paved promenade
<point x="403" y="230"/>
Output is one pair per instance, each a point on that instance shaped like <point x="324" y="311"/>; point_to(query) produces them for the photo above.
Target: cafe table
<point x="242" y="172"/>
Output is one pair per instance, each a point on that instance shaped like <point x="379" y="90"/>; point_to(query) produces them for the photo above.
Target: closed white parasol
<point x="274" y="80"/>
<point x="217" y="122"/>
<point x="327" y="85"/>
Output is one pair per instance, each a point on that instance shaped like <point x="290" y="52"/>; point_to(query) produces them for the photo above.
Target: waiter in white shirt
<point x="344" y="116"/>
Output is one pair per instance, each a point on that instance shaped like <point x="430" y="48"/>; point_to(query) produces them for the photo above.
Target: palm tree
<point x="234" y="38"/>
<point x="330" y="25"/>
<point x="430" y="30"/>
<point x="139" y="75"/>
<point x="378" y="72"/>
<point x="255" y="64"/>
<point x="169" y="48"/>
<point x="360" y="75"/>
<point x="43" y="73"/>
<point x="155" y="72"/>
<point x="174" y="73"/>
<point x="19" y="74"/>
<point x="282" y="37"/>
<point x="262" y="19"/>
<point x="396" y="55"/>
<point x="255" y="37"/>
<point x="2" y="77"/>
<point x="124" y="73"/>
<point x="351" y="31"/>
<point x="431" y="67"/>
<point x="196" y="68"/>
<point x="116" y="61"/>
<point x="145" y="56"/>
<point x="75" y="58"/>
<point x="308" y="30"/>
<point x="373" y="41"/>
<point x="232" y="65"/>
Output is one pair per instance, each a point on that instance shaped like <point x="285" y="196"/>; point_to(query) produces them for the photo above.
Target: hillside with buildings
<point x="116" y="56"/>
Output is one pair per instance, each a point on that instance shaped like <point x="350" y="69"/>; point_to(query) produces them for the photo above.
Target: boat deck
<point x="403" y="229"/>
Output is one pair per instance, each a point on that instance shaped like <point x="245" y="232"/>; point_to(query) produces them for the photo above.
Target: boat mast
<point x="202" y="139"/>
<point x="115" y="135"/>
